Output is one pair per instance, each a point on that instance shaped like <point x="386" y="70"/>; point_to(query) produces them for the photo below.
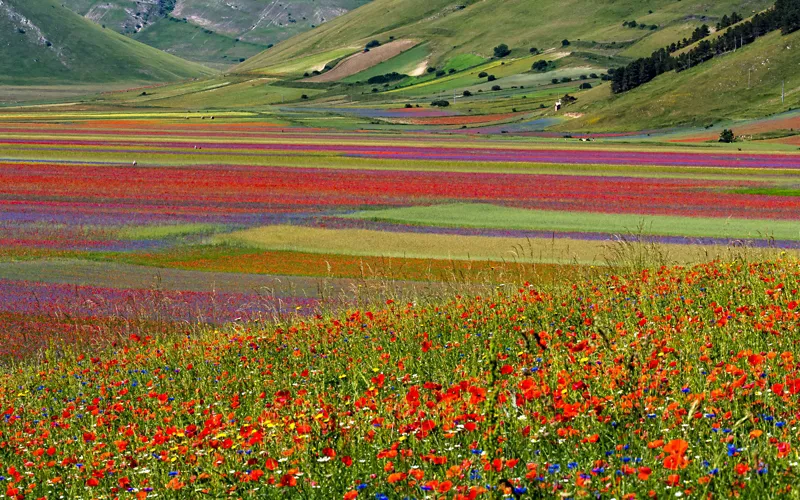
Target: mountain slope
<point x="211" y="31"/>
<point x="741" y="85"/>
<point x="45" y="43"/>
<point x="476" y="26"/>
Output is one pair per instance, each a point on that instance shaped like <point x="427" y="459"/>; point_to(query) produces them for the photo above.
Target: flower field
<point x="172" y="192"/>
<point x="255" y="309"/>
<point x="676" y="382"/>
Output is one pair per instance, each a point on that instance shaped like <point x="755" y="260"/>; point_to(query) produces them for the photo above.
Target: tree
<point x="501" y="50"/>
<point x="372" y="44"/>
<point x="541" y="66"/>
<point x="565" y="43"/>
<point x="727" y="136"/>
<point x="440" y="103"/>
<point x="554" y="81"/>
<point x="534" y="50"/>
<point x="491" y="78"/>
<point x="483" y="74"/>
<point x="496" y="88"/>
<point x="467" y="93"/>
<point x="586" y="86"/>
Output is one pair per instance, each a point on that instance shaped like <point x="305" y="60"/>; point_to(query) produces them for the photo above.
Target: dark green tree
<point x="727" y="136"/>
<point x="501" y="50"/>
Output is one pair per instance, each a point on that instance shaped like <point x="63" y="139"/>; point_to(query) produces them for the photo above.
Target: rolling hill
<point x="476" y="26"/>
<point x="47" y="44"/>
<point x="741" y="85"/>
<point x="212" y="32"/>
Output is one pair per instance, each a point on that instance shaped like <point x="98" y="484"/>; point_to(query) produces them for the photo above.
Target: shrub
<point x="483" y="74"/>
<point x="491" y="78"/>
<point x="441" y="103"/>
<point x="388" y="77"/>
<point x="501" y="50"/>
<point x="441" y="72"/>
<point x="467" y="93"/>
<point x="534" y="50"/>
<point x="727" y="136"/>
<point x="409" y="106"/>
<point x="496" y="88"/>
<point x="431" y="69"/>
<point x="373" y="44"/>
<point x="566" y="79"/>
<point x="586" y="86"/>
<point x="565" y="43"/>
<point x="541" y="66"/>
<point x="304" y="96"/>
<point x="554" y="81"/>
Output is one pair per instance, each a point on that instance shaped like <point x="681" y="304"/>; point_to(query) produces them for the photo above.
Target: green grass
<point x="654" y="40"/>
<point x="403" y="63"/>
<point x="263" y="64"/>
<point x="769" y="191"/>
<point x="230" y="93"/>
<point x="195" y="43"/>
<point x="167" y="231"/>
<point x="80" y="51"/>
<point x="497" y="217"/>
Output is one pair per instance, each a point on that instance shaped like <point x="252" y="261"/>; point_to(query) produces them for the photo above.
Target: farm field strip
<point x="430" y="245"/>
<point x="499" y="217"/>
<point x="249" y="195"/>
<point x="533" y="155"/>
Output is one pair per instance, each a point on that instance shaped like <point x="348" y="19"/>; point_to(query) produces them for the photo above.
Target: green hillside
<point x="474" y="26"/>
<point x="211" y="32"/>
<point x="737" y="86"/>
<point x="47" y="44"/>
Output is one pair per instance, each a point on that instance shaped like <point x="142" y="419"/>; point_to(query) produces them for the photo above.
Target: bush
<point x="501" y="50"/>
<point x="565" y="43"/>
<point x="586" y="86"/>
<point x="593" y="75"/>
<point x="409" y="106"/>
<point x="467" y="93"/>
<point x="491" y="78"/>
<point x="431" y="69"/>
<point x="496" y="88"/>
<point x="483" y="74"/>
<point x="441" y="72"/>
<point x="304" y="96"/>
<point x="584" y="77"/>
<point x="541" y="66"/>
<point x="373" y="44"/>
<point x="727" y="136"/>
<point x="534" y="50"/>
<point x="388" y="77"/>
<point x="441" y="103"/>
<point x="554" y="81"/>
<point x="566" y="79"/>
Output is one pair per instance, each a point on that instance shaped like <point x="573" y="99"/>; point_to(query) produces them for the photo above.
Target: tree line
<point x="784" y="16"/>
